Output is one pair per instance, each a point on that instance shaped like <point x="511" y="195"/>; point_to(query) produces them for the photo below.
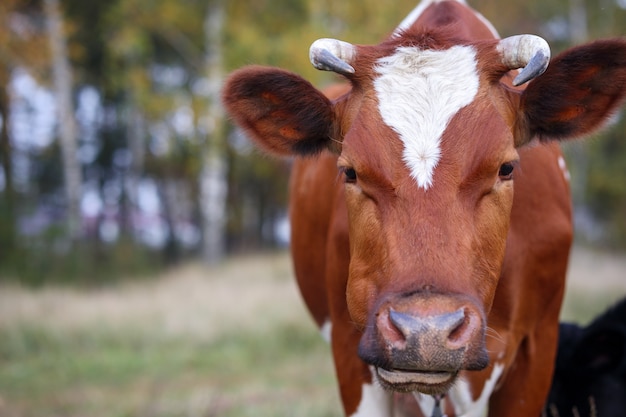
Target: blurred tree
<point x="155" y="68"/>
<point x="213" y="177"/>
<point x="62" y="79"/>
<point x="604" y="192"/>
<point x="22" y="43"/>
<point x="7" y="205"/>
<point x="286" y="36"/>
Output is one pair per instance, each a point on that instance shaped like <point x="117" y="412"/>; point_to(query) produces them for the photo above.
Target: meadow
<point x="233" y="340"/>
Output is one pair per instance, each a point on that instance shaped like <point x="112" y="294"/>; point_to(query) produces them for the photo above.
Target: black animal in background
<point x="590" y="374"/>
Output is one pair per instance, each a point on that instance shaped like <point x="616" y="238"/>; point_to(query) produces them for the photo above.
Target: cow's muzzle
<point x="421" y="342"/>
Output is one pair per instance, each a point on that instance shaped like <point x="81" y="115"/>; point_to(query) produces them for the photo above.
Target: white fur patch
<point x="462" y="400"/>
<point x="419" y="91"/>
<point x="460" y="395"/>
<point x="426" y="403"/>
<point x="326" y="330"/>
<point x="563" y="166"/>
<point x="375" y="402"/>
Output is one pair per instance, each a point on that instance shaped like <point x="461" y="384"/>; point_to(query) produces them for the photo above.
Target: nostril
<point x="450" y="329"/>
<point x="393" y="328"/>
<point x="461" y="333"/>
<point x="456" y="332"/>
<point x="407" y="324"/>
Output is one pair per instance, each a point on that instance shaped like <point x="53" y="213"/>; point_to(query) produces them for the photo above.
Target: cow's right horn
<point x="525" y="51"/>
<point x="332" y="55"/>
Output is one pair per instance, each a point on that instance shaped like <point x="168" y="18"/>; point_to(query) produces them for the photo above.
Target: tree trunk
<point x="62" y="77"/>
<point x="213" y="181"/>
<point x="8" y="219"/>
<point x="136" y="133"/>
<point x="579" y="151"/>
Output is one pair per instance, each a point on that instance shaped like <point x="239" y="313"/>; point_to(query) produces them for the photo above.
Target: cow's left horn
<point x="525" y="51"/>
<point x="332" y="55"/>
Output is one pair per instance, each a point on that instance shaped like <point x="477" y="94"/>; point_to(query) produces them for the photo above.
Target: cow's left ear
<point x="282" y="112"/>
<point x="578" y="93"/>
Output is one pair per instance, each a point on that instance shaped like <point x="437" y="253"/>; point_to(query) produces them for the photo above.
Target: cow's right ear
<point x="282" y="112"/>
<point x="578" y="93"/>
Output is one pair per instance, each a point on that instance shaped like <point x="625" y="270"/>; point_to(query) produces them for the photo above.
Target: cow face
<point x="428" y="165"/>
<point x="426" y="142"/>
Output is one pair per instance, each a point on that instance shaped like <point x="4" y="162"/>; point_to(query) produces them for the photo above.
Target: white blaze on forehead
<point x="419" y="91"/>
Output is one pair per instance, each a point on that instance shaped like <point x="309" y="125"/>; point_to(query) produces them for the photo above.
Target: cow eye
<point x="506" y="171"/>
<point x="349" y="175"/>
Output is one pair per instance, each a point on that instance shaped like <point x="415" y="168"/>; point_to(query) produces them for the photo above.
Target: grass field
<point x="234" y="340"/>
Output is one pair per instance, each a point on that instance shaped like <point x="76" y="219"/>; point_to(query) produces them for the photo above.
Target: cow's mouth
<point x="427" y="382"/>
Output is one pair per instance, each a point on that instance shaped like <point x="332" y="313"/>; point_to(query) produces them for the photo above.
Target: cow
<point x="590" y="374"/>
<point x="438" y="286"/>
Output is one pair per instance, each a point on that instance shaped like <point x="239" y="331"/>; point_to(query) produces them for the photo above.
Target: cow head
<point x="427" y="141"/>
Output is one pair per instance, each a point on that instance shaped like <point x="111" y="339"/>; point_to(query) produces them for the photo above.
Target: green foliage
<point x="274" y="17"/>
<point x="49" y="258"/>
<point x="606" y="190"/>
<point x="116" y="47"/>
<point x="260" y="184"/>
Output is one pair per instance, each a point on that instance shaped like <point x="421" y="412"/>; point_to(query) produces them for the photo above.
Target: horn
<point x="525" y="51"/>
<point x="332" y="55"/>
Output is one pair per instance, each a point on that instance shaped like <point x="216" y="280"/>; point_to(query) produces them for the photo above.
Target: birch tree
<point x="578" y="151"/>
<point x="62" y="79"/>
<point x="213" y="183"/>
<point x="7" y="207"/>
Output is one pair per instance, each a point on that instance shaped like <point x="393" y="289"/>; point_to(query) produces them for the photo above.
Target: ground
<point x="233" y="340"/>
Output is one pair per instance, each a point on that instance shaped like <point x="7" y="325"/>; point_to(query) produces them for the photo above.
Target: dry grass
<point x="191" y="300"/>
<point x="234" y="340"/>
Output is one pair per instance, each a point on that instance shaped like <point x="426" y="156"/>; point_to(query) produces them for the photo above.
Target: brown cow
<point x="430" y="275"/>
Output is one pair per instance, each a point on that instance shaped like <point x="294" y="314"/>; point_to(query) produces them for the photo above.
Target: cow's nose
<point x="448" y="330"/>
<point x="429" y="334"/>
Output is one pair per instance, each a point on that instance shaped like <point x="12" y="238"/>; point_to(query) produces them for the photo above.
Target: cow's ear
<point x="578" y="93"/>
<point x="283" y="113"/>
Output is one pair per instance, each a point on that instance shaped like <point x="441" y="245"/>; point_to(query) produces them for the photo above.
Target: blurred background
<point x="143" y="265"/>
